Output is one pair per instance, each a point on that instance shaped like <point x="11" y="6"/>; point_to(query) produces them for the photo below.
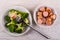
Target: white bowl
<point x="41" y="25"/>
<point x="17" y="8"/>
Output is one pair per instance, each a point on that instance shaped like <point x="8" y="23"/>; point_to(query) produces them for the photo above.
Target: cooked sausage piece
<point x="44" y="20"/>
<point x="53" y="16"/>
<point x="42" y="9"/>
<point x="48" y="9"/>
<point x="45" y="13"/>
<point x="48" y="21"/>
<point x="51" y="13"/>
<point x="40" y="17"/>
<point x="40" y="21"/>
<point x="39" y="13"/>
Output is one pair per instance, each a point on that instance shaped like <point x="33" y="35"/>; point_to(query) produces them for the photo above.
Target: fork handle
<point x="35" y="29"/>
<point x="39" y="32"/>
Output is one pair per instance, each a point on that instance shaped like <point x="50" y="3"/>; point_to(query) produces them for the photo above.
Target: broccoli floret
<point x="13" y="21"/>
<point x="22" y="14"/>
<point x="25" y="16"/>
<point x="26" y="20"/>
<point x="7" y="18"/>
<point x="11" y="27"/>
<point x="12" y="11"/>
<point x="6" y="25"/>
<point x="19" y="29"/>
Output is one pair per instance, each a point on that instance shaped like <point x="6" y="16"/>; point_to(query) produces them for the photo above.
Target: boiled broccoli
<point x="13" y="21"/>
<point x="19" y="29"/>
<point x="25" y="15"/>
<point x="26" y="20"/>
<point x="12" y="24"/>
<point x="12" y="11"/>
<point x="22" y="14"/>
<point x="11" y="27"/>
<point x="6" y="25"/>
<point x="7" y="18"/>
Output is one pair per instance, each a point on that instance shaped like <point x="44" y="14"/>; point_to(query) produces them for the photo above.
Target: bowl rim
<point x="34" y="16"/>
<point x="14" y="34"/>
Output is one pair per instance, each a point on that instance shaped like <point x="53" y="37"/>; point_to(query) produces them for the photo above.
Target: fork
<point x="19" y="19"/>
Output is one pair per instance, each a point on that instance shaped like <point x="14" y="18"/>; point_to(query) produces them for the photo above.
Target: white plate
<point x="17" y="8"/>
<point x="54" y="30"/>
<point x="35" y="19"/>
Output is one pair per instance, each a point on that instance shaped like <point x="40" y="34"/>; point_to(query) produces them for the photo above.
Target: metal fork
<point x="19" y="19"/>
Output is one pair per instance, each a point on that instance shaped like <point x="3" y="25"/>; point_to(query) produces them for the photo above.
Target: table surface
<point x="53" y="32"/>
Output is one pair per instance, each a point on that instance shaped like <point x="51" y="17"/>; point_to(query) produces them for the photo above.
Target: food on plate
<point x="40" y="21"/>
<point x="44" y="20"/>
<point x="13" y="21"/>
<point x="49" y="9"/>
<point x="39" y="14"/>
<point x="53" y="16"/>
<point x="45" y="13"/>
<point x="49" y="21"/>
<point x="42" y="9"/>
<point x="45" y="16"/>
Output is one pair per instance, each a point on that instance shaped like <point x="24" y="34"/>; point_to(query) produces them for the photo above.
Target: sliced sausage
<point x="45" y="13"/>
<point x="39" y="13"/>
<point x="44" y="20"/>
<point x="48" y="9"/>
<point x="42" y="9"/>
<point x="53" y="16"/>
<point x="49" y="21"/>
<point x="40" y="21"/>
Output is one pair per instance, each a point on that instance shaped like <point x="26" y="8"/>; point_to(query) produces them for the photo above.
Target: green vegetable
<point x="7" y="18"/>
<point x="22" y="14"/>
<point x="6" y="25"/>
<point x="26" y="20"/>
<point x="12" y="22"/>
<point x="11" y="27"/>
<point x="25" y="16"/>
<point x="19" y="29"/>
<point x="12" y="11"/>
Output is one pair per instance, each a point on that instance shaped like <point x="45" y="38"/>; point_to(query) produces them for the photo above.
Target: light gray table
<point x="53" y="32"/>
